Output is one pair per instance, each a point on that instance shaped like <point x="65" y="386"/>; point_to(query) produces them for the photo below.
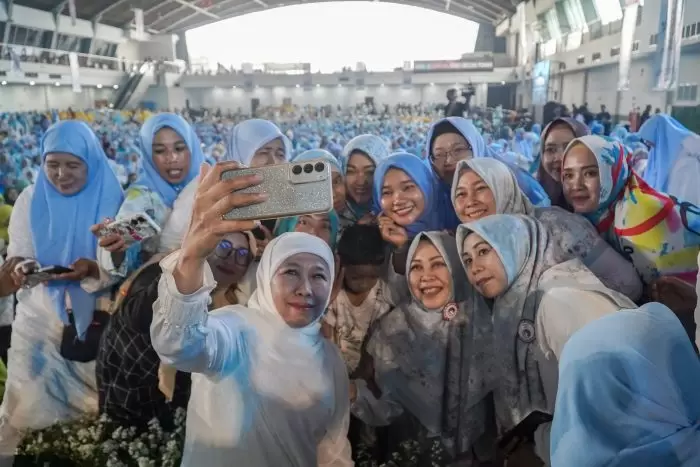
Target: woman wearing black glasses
<point x="134" y="387"/>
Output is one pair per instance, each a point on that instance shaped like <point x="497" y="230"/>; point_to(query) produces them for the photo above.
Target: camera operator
<point x="455" y="107"/>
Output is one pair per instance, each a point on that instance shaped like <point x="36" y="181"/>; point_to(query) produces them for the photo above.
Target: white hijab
<point x="249" y="136"/>
<point x="276" y="252"/>
<point x="297" y="355"/>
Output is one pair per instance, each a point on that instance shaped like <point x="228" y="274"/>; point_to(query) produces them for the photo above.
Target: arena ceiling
<point x="170" y="16"/>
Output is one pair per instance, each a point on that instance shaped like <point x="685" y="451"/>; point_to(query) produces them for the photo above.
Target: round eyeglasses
<point x="225" y="250"/>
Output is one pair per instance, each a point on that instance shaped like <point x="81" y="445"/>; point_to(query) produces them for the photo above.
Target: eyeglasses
<point x="225" y="249"/>
<point x="457" y="153"/>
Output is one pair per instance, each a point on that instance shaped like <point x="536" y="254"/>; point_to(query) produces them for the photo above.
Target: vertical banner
<point x="72" y="12"/>
<point x="540" y="82"/>
<point x="74" y="71"/>
<point x="629" y="26"/>
<point x="668" y="49"/>
<point x="138" y="21"/>
<point x="523" y="34"/>
<point x="16" y="65"/>
<point x="523" y="47"/>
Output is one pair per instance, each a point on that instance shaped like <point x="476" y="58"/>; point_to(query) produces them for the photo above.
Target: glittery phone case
<point x="294" y="189"/>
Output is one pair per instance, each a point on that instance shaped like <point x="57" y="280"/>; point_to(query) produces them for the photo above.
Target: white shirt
<point x="250" y="405"/>
<point x="42" y="387"/>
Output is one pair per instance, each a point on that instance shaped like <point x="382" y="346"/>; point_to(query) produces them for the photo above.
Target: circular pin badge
<point x="450" y="311"/>
<point x="526" y="331"/>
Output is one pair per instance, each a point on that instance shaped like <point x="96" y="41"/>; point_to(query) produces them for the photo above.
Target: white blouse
<point x="42" y="386"/>
<point x="250" y="403"/>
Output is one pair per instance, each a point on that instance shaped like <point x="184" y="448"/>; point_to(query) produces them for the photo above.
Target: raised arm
<point x="184" y="334"/>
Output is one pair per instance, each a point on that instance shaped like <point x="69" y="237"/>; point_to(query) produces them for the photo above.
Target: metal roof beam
<point x="494" y="5"/>
<point x="172" y="12"/>
<point x="198" y="9"/>
<point x="223" y="14"/>
<point x="177" y="10"/>
<point x="98" y="16"/>
<point x="8" y="4"/>
<point x="57" y="10"/>
<point x="473" y="13"/>
<point x="156" y="6"/>
<point x="484" y="8"/>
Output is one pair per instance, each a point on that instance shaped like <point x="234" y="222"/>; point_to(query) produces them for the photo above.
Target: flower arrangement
<point x="410" y="454"/>
<point x="94" y="441"/>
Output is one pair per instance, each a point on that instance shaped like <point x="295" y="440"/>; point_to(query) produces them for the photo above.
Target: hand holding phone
<point x="293" y="189"/>
<point x="133" y="229"/>
<point x="112" y="242"/>
<point x="213" y="199"/>
<point x="22" y="268"/>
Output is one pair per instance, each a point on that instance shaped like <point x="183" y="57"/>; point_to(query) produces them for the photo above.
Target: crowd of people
<point x="490" y="292"/>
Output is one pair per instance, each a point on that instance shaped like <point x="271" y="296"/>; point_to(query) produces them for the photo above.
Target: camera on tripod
<point x="468" y="92"/>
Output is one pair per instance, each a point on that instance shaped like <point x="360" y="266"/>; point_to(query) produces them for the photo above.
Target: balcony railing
<point x="60" y="57"/>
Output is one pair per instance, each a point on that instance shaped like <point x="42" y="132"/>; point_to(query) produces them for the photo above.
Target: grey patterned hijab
<point x="509" y="197"/>
<point x="574" y="234"/>
<point x="533" y="264"/>
<point x="419" y="356"/>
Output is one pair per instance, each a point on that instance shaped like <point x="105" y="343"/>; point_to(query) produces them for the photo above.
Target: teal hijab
<point x="289" y="224"/>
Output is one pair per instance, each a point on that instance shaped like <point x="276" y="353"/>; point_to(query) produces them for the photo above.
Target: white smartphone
<point x="133" y="229"/>
<point x="294" y="189"/>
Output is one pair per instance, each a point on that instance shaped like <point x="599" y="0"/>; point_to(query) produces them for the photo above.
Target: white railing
<point x="60" y="57"/>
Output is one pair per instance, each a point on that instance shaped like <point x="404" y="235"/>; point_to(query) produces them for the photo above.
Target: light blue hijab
<point x="150" y="178"/>
<point x="419" y="172"/>
<point x="667" y="134"/>
<point x="628" y="393"/>
<point x="597" y="128"/>
<point x="60" y="225"/>
<point x="249" y="136"/>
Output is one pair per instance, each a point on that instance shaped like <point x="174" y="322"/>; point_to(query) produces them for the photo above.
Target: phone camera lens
<point x="296" y="170"/>
<point x="320" y="166"/>
<point x="308" y="168"/>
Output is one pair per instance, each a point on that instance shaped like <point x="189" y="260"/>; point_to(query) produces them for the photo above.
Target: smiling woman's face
<point x="300" y="288"/>
<point x="557" y="139"/>
<point x="402" y="200"/>
<point x="473" y="197"/>
<point x="67" y="173"/>
<point x="581" y="179"/>
<point x="429" y="277"/>
<point x="484" y="268"/>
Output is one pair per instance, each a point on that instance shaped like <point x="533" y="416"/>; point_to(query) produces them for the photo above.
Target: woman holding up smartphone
<point x="267" y="388"/>
<point x="252" y="143"/>
<point x="51" y="227"/>
<point x="172" y="155"/>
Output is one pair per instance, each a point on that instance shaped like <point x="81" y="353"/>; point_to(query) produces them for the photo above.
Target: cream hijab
<point x="508" y="195"/>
